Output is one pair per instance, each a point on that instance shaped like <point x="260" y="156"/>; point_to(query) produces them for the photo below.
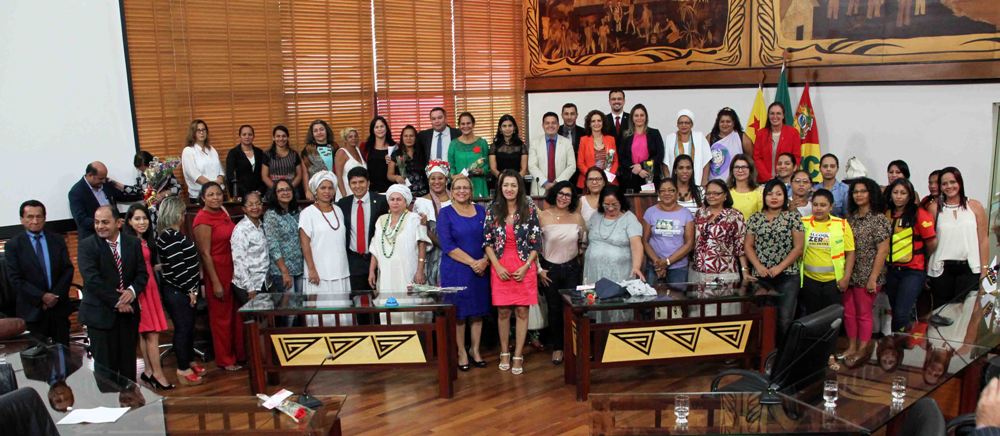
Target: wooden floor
<point x="487" y="401"/>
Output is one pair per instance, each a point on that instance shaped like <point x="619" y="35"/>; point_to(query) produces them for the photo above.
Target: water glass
<point x="830" y="393"/>
<point x="682" y="407"/>
<point x="898" y="388"/>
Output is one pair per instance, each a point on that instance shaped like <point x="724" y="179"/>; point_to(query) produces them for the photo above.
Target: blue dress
<point x="456" y="231"/>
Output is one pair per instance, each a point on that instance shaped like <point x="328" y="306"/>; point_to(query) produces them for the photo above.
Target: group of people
<point x="386" y="214"/>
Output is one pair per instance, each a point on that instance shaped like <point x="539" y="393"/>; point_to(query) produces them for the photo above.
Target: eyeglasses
<point x="201" y="130"/>
<point x="612" y="205"/>
<point x="741" y="167"/>
<point x="564" y="194"/>
<point x="461" y="188"/>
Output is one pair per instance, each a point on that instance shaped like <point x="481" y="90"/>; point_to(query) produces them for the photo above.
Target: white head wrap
<point x="401" y="190"/>
<point x="319" y="177"/>
<point x="686" y="113"/>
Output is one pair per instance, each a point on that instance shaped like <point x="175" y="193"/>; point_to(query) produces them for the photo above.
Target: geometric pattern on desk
<point x="355" y="348"/>
<point x="650" y="343"/>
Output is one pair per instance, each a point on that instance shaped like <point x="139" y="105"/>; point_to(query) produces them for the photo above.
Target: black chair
<point x="924" y="418"/>
<point x="962" y="425"/>
<point x="23" y="412"/>
<point x="803" y="359"/>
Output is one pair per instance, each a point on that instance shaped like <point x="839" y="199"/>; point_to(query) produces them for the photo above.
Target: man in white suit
<point x="550" y="157"/>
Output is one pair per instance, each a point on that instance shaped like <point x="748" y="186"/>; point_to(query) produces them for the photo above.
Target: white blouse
<point x="197" y="161"/>
<point x="328" y="240"/>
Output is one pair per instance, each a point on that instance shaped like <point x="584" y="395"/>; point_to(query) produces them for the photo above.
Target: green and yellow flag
<point x="758" y="115"/>
<point x="805" y="122"/>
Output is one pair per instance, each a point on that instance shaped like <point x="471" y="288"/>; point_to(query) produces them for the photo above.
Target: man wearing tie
<point x="40" y="271"/>
<point x="573" y="132"/>
<point x="550" y="158"/>
<point x="361" y="210"/>
<point x="617" y="118"/>
<point x="434" y="141"/>
<point x="95" y="189"/>
<point x="114" y="272"/>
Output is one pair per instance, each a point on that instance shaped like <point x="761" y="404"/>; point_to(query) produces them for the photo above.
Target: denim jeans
<point x="903" y="286"/>
<point x="178" y="305"/>
<point x="674" y="275"/>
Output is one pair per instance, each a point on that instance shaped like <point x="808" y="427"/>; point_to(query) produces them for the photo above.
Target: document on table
<point x="97" y="415"/>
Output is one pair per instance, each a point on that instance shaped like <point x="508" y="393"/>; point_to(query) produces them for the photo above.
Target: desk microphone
<point x="308" y="400"/>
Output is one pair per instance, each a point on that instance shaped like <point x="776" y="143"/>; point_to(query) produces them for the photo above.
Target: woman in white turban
<point x="690" y="142"/>
<point x="398" y="246"/>
<point x="323" y="238"/>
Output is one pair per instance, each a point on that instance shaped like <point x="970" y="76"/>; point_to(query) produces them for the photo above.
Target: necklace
<point x="604" y="224"/>
<point x="557" y="217"/>
<point x="323" y="214"/>
<point x="390" y="234"/>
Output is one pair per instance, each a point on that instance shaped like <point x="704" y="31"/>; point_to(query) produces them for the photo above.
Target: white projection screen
<point x="64" y="100"/>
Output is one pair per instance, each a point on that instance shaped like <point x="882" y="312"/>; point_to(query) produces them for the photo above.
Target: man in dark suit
<point x="617" y="119"/>
<point x="40" y="272"/>
<point x="95" y="189"/>
<point x="434" y="141"/>
<point x="114" y="273"/>
<point x="569" y="129"/>
<point x="53" y="364"/>
<point x="361" y="210"/>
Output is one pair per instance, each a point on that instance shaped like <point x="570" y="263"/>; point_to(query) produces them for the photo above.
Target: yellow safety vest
<point x="902" y="250"/>
<point x="836" y="247"/>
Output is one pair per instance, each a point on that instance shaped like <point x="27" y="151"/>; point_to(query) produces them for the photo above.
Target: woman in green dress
<point x="470" y="153"/>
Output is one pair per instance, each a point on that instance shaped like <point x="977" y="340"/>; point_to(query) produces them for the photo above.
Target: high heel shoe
<point x="504" y="366"/>
<point x="477" y="363"/>
<point x="464" y="368"/>
<point x="160" y="386"/>
<point x="145" y="378"/>
<point x="518" y="370"/>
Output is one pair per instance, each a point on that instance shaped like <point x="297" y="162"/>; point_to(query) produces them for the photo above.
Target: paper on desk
<point x="97" y="415"/>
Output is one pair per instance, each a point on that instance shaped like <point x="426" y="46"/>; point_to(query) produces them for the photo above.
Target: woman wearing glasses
<point x="743" y="187"/>
<point x="719" y="233"/>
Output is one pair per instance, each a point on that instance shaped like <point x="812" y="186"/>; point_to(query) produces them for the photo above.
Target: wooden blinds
<point x="488" y="62"/>
<point x="268" y="62"/>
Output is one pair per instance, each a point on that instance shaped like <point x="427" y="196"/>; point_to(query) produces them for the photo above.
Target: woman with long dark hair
<point x="512" y="240"/>
<point x="377" y="153"/>
<point x="152" y="319"/>
<point x="689" y="194"/>
<point x="960" y="260"/>
<point x="596" y="180"/>
<point x="913" y="240"/>
<point x="244" y="165"/>
<point x="563" y="234"/>
<point x="727" y="139"/>
<point x="743" y="188"/>
<point x="508" y="151"/>
<point x="281" y="227"/>
<point x="282" y="162"/>
<point x="866" y="216"/>
<point x="641" y="152"/>
<point x="407" y="162"/>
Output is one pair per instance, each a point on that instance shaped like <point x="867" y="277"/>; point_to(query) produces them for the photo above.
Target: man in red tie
<point x="550" y="158"/>
<point x="114" y="273"/>
<point x="360" y="210"/>
<point x="617" y="118"/>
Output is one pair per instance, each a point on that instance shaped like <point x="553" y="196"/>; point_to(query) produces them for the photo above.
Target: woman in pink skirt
<point x="512" y="240"/>
<point x="152" y="319"/>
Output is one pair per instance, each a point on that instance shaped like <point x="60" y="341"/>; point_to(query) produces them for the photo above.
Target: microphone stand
<point x="308" y="400"/>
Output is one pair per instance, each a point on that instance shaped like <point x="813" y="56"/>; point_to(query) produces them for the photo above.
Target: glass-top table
<point x="713" y="413"/>
<point x="682" y="322"/>
<point x="65" y="380"/>
<point x="407" y="328"/>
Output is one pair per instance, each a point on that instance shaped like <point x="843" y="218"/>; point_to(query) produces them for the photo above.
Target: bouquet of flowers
<point x="479" y="164"/>
<point x="609" y="159"/>
<point x="158" y="175"/>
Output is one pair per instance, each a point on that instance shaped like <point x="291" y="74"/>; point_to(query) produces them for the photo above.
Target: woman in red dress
<point x="212" y="230"/>
<point x="512" y="240"/>
<point x="152" y="320"/>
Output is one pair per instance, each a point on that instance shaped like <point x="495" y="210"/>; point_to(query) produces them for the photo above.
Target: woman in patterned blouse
<point x="281" y="227"/>
<point x="719" y="237"/>
<point x="250" y="261"/>
<point x="512" y="239"/>
<point x="872" y="229"/>
<point x="774" y="242"/>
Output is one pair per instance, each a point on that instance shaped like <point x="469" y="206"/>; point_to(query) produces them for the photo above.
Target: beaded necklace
<point x="391" y="234"/>
<point x="323" y="214"/>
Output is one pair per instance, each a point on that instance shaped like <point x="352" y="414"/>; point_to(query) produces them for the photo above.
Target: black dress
<point x="508" y="156"/>
<point x="378" y="170"/>
<point x="413" y="168"/>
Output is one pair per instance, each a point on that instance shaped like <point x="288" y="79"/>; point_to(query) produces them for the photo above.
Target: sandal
<point x="504" y="366"/>
<point x="557" y="361"/>
<point x="198" y="369"/>
<point x="518" y="370"/>
<point x="189" y="379"/>
<point x="233" y="368"/>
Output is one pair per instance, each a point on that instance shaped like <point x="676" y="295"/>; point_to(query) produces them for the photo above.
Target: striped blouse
<point x="179" y="260"/>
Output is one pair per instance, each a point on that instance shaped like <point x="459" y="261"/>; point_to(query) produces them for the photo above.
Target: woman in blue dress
<point x="460" y="231"/>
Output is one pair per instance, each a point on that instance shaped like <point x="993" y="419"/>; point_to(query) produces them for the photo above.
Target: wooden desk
<point x="244" y="416"/>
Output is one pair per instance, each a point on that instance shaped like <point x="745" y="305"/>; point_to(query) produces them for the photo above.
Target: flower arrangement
<point x="610" y="159"/>
<point x="158" y="175"/>
<point x="648" y="166"/>
<point x="479" y="164"/>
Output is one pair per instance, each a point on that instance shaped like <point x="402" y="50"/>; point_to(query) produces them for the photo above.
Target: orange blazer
<point x="585" y="158"/>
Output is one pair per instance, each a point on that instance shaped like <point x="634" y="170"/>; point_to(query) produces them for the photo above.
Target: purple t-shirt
<point x="667" y="232"/>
